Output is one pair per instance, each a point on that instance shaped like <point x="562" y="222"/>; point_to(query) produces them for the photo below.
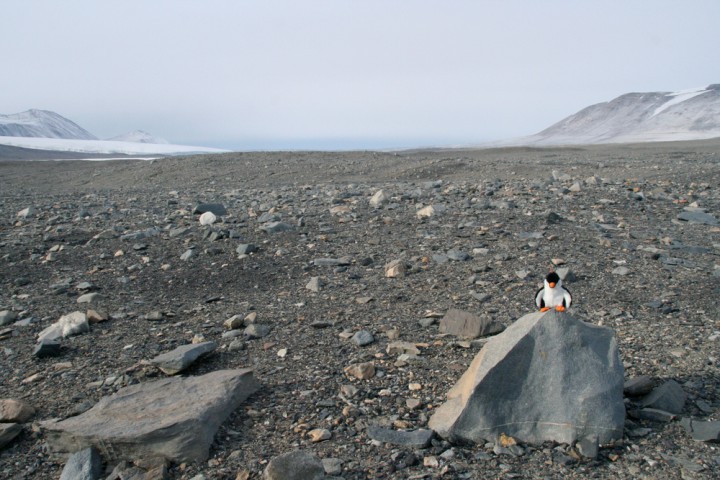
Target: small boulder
<point x="669" y="397"/>
<point x="182" y="357"/>
<point x="467" y="325"/>
<point x="297" y="465"/>
<point x="15" y="411"/>
<point x="8" y="431"/>
<point x="85" y="464"/>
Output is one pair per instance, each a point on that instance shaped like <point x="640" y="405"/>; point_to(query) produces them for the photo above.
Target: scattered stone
<point x="15" y="411"/>
<point x="256" y="330"/>
<point x="362" y="338"/>
<point x="416" y="439"/>
<point x="379" y="198"/>
<point x="361" y="371"/>
<point x="400" y="347"/>
<point x="698" y="216"/>
<point x="234" y="322"/>
<point x="174" y="417"/>
<point x="315" y="284"/>
<point x="47" y="348"/>
<point x="189" y="253"/>
<point x="297" y="465"/>
<point x="548" y="376"/>
<point x="669" y="397"/>
<point x="7" y="317"/>
<point x="395" y="269"/>
<point x="319" y="435"/>
<point x="8" y="431"/>
<point x="88" y="297"/>
<point x="467" y="325"/>
<point x="332" y="466"/>
<point x="430" y="211"/>
<point x="246" y="249"/>
<point x="332" y="262"/>
<point x="702" y="431"/>
<point x="653" y="414"/>
<point x="215" y="208"/>
<point x="622" y="271"/>
<point x="94" y="317"/>
<point x="182" y="357"/>
<point x="638" y="386"/>
<point x="276" y="227"/>
<point x="588" y="446"/>
<point x="85" y="464"/>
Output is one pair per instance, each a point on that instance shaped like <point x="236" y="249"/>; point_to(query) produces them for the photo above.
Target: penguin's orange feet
<point x="545" y="309"/>
<point x="560" y="308"/>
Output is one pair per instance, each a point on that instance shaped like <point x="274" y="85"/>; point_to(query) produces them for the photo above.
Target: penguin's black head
<point x="552" y="277"/>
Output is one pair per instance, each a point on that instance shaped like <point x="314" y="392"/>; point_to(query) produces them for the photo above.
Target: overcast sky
<point x="263" y="74"/>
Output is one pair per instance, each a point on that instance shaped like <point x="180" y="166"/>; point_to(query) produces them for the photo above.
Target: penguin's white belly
<point x="553" y="297"/>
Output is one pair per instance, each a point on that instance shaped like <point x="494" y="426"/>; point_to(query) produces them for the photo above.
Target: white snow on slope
<point x="679" y="97"/>
<point x="104" y="146"/>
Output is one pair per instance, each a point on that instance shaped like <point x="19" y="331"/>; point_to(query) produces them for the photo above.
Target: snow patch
<point x="104" y="146"/>
<point x="679" y="97"/>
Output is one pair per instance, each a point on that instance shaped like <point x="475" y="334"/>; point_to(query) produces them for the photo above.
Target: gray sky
<point x="267" y="74"/>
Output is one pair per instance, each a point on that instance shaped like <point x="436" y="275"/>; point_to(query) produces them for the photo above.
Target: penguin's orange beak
<point x="552" y="284"/>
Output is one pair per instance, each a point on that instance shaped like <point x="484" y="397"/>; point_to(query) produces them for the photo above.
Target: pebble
<point x="362" y="338"/>
<point x="361" y="371"/>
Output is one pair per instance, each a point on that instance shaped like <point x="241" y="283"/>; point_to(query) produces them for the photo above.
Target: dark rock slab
<point x="702" y="431"/>
<point x="415" y="438"/>
<point x="214" y="208"/>
<point x="8" y="431"/>
<point x="182" y="357"/>
<point x="638" y="386"/>
<point x="548" y="376"/>
<point x="697" y="216"/>
<point x="175" y="418"/>
<point x="669" y="397"/>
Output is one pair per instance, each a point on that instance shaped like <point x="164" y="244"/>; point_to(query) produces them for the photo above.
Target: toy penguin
<point x="553" y="294"/>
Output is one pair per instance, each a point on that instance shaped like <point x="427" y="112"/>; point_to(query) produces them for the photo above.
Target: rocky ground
<point x="635" y="226"/>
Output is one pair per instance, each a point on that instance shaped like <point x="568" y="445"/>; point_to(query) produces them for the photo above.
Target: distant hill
<point x="638" y="117"/>
<point x="43" y="124"/>
<point x="138" y="136"/>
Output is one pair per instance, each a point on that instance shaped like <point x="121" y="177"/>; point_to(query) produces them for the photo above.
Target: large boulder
<point x="548" y="376"/>
<point x="175" y="418"/>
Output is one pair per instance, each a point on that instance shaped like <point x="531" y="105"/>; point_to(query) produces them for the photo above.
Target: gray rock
<point x="188" y="254"/>
<point x="331" y="262"/>
<point x="140" y="234"/>
<point x="256" y="330"/>
<point x="182" y="357"/>
<point x="588" y="446"/>
<point x="88" y="298"/>
<point x="669" y="397"/>
<point x="215" y="208"/>
<point x="8" y="431"/>
<point x="702" y="431"/>
<point x="7" y="317"/>
<point x="458" y="255"/>
<point x="47" y="348"/>
<point x="698" y="216"/>
<point x="548" y="376"/>
<point x="15" y="411"/>
<point x="83" y="465"/>
<point x="362" y="338"/>
<point x="175" y="417"/>
<point x="654" y="415"/>
<point x="467" y="325"/>
<point x="379" y="198"/>
<point x="332" y="466"/>
<point x="297" y="465"/>
<point x="415" y="438"/>
<point x="622" y="271"/>
<point x="315" y="284"/>
<point x="638" y="386"/>
<point x="246" y="249"/>
<point x="275" y="227"/>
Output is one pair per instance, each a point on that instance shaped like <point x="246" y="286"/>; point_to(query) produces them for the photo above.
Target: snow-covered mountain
<point x="44" y="130"/>
<point x="138" y="136"/>
<point x="41" y="123"/>
<point x="638" y="117"/>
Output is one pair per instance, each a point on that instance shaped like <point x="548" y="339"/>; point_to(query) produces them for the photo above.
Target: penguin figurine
<point x="553" y="294"/>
